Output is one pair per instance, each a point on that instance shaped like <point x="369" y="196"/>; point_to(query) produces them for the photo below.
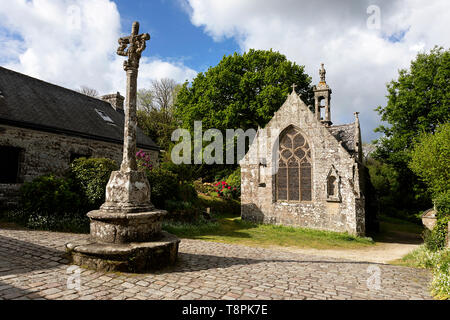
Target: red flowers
<point x="224" y="190"/>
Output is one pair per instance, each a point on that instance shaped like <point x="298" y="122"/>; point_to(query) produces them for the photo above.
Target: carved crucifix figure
<point x="131" y="47"/>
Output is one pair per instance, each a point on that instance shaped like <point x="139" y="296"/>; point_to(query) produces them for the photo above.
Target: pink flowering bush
<point x="143" y="161"/>
<point x="226" y="191"/>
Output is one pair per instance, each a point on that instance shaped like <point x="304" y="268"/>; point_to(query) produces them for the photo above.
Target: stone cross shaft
<point x="132" y="47"/>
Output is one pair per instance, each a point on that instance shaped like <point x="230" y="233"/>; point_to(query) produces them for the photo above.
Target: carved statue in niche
<point x="334" y="186"/>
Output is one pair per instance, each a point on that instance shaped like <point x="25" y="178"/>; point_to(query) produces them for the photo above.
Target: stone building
<point x="44" y="127"/>
<point x="301" y="170"/>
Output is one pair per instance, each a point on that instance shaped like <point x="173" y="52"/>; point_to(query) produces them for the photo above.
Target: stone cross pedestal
<point x="126" y="232"/>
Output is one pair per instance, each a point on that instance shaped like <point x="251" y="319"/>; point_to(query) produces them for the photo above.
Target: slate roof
<point x="31" y="103"/>
<point x="346" y="134"/>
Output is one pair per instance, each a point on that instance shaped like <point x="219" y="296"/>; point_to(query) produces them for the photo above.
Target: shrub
<point x="220" y="207"/>
<point x="423" y="258"/>
<point x="182" y="211"/>
<point x="143" y="161"/>
<point x="90" y="177"/>
<point x="234" y="180"/>
<point x="225" y="191"/>
<point x="184" y="172"/>
<point x="442" y="203"/>
<point x="164" y="186"/>
<point x="49" y="195"/>
<point x="204" y="188"/>
<point x="436" y="239"/>
<point x="187" y="193"/>
<point x="438" y="262"/>
<point x="65" y="223"/>
<point x="15" y="215"/>
<point x="440" y="285"/>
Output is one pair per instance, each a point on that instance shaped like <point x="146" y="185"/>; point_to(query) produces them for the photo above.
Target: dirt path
<point x="390" y="245"/>
<point x="380" y="253"/>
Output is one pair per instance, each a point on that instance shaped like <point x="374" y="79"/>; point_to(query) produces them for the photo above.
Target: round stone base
<point x="131" y="257"/>
<point x="122" y="228"/>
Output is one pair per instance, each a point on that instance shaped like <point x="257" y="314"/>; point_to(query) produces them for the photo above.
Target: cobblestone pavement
<point x="32" y="266"/>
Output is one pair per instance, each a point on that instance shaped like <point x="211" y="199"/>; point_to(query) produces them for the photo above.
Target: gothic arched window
<point x="294" y="178"/>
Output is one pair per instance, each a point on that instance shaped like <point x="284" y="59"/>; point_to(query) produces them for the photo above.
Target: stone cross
<point x="132" y="47"/>
<point x="293" y="87"/>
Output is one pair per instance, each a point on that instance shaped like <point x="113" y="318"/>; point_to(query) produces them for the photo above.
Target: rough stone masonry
<point x="303" y="171"/>
<point x="126" y="232"/>
<point x="45" y="127"/>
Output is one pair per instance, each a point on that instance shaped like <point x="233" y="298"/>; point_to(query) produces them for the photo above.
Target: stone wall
<point x="429" y="223"/>
<point x="259" y="201"/>
<point x="48" y="153"/>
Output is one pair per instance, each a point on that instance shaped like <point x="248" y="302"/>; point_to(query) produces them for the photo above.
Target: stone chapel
<point x="301" y="170"/>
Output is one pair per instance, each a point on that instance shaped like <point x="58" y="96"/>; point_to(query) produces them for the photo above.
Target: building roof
<point x="346" y="134"/>
<point x="430" y="213"/>
<point x="34" y="104"/>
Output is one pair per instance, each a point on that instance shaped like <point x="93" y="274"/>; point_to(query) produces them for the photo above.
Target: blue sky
<point x="173" y="35"/>
<point x="363" y="43"/>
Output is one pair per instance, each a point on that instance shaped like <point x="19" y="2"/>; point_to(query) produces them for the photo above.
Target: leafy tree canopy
<point x="418" y="101"/>
<point x="431" y="159"/>
<point x="242" y="91"/>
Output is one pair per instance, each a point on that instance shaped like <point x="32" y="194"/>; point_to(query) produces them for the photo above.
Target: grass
<point x="419" y="258"/>
<point x="399" y="231"/>
<point x="229" y="229"/>
<point x="438" y="262"/>
<point x="220" y="207"/>
<point x="389" y="224"/>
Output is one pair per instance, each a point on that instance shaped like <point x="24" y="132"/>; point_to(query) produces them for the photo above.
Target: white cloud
<point x="359" y="61"/>
<point x="72" y="43"/>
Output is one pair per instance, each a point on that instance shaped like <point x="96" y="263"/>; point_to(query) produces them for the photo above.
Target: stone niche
<point x="333" y="186"/>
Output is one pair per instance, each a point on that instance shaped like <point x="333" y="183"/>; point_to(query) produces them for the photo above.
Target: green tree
<point x="242" y="91"/>
<point x="156" y="111"/>
<point x="430" y="159"/>
<point x="418" y="101"/>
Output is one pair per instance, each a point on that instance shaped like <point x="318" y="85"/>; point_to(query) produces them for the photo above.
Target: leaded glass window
<point x="294" y="177"/>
